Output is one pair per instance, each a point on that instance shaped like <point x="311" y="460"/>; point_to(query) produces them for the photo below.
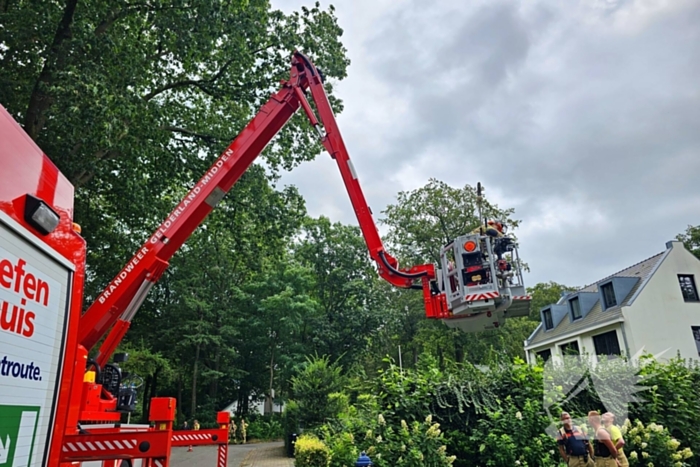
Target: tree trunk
<point x="179" y="394"/>
<point x="214" y="385"/>
<point x="269" y="405"/>
<point x="146" y="391"/>
<point x="154" y="387"/>
<point x="193" y="406"/>
<point x="40" y="101"/>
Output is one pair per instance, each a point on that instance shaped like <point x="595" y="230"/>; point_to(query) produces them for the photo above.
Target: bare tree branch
<point x="40" y="101"/>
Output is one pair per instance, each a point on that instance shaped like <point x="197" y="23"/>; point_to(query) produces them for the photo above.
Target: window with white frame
<point x="545" y="354"/>
<point x="570" y="348"/>
<point x="606" y="344"/>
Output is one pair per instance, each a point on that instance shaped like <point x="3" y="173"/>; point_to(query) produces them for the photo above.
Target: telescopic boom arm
<point x="117" y="304"/>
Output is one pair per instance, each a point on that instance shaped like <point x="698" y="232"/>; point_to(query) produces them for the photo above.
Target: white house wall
<point x="587" y="345"/>
<point x="584" y="340"/>
<point x="659" y="319"/>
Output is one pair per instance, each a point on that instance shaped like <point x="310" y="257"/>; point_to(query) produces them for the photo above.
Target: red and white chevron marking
<point x="159" y="462"/>
<point x="480" y="296"/>
<point x="85" y="446"/>
<point x="191" y="437"/>
<point x="522" y="297"/>
<point x="223" y="455"/>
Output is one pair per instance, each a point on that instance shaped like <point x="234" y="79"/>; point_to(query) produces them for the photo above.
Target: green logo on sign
<point x="17" y="431"/>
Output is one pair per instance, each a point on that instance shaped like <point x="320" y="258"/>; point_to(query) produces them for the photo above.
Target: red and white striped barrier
<point x="101" y="446"/>
<point x="192" y="437"/>
<point x="223" y="455"/>
<point x="480" y="296"/>
<point x="522" y="297"/>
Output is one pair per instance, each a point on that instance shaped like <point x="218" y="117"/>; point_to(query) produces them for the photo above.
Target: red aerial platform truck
<point x="61" y="400"/>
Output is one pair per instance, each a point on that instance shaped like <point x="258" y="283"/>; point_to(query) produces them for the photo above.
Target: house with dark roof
<point x="652" y="306"/>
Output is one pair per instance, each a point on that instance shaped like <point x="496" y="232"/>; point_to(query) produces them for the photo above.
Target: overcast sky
<point x="583" y="116"/>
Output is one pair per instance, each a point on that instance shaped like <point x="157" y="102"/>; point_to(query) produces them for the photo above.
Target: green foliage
<point x="653" y="445"/>
<point x="309" y="451"/>
<point x="691" y="239"/>
<point x="509" y="436"/>
<point x="133" y="101"/>
<point x="500" y="415"/>
<point x="265" y="428"/>
<point x="673" y="398"/>
<point x="315" y="390"/>
<point x="144" y="363"/>
<point x="345" y="283"/>
<point x="419" y="443"/>
<point x="428" y="218"/>
<point x="290" y="423"/>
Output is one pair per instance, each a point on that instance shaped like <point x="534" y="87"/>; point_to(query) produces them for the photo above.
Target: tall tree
<point x="132" y="100"/>
<point x="420" y="223"/>
<point x="202" y="317"/>
<point x="279" y="304"/>
<point x="344" y="287"/>
<point x="428" y="218"/>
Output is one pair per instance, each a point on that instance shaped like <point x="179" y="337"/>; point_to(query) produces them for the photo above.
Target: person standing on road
<point x="195" y="426"/>
<point x="244" y="430"/>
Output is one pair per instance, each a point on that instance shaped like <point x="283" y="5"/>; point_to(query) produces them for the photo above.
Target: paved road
<point x="254" y="455"/>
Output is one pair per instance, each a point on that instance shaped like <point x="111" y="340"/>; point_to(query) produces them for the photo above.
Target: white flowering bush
<point x="416" y="444"/>
<point x="514" y="436"/>
<point x="652" y="445"/>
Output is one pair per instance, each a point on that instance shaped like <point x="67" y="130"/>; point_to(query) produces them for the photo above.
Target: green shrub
<point x="653" y="445"/>
<point x="312" y="388"/>
<point x="673" y="399"/>
<point x="290" y="423"/>
<point x="513" y="437"/>
<point x="417" y="444"/>
<point x="499" y="416"/>
<point x="309" y="451"/>
<point x="344" y="453"/>
<point x="265" y="428"/>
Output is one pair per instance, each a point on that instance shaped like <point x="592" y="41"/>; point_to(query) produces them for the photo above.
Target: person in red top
<point x="574" y="447"/>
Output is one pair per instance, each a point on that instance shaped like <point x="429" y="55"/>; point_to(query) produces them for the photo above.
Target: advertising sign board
<point x="35" y="285"/>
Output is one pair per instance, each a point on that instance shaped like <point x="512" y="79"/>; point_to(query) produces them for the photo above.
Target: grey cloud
<point x="586" y="119"/>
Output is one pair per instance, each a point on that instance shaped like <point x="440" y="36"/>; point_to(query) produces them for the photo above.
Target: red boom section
<point x="117" y="304"/>
<point x="124" y="294"/>
<point x="433" y="300"/>
<point x="334" y="144"/>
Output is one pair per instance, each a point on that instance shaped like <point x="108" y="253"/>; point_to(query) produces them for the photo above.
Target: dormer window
<point x="608" y="295"/>
<point x="575" y="308"/>
<point x="547" y="318"/>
